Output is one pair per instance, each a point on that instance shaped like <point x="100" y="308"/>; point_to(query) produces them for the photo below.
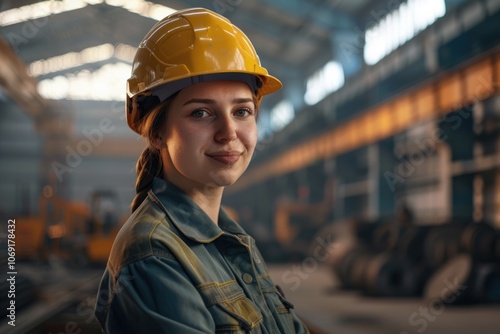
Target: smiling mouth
<point x="226" y="159"/>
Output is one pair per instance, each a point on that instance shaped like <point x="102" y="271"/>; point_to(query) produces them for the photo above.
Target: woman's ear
<point x="158" y="142"/>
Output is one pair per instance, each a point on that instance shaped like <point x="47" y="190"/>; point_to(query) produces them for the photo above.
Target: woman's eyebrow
<point x="210" y="101"/>
<point x="195" y="100"/>
<point x="243" y="100"/>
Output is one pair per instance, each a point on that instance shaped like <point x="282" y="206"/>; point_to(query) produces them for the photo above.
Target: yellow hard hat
<point x="187" y="47"/>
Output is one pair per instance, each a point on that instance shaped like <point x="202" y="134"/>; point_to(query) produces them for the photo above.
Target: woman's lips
<point x="225" y="158"/>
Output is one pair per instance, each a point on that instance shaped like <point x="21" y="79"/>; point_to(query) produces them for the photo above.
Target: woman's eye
<point x="199" y="113"/>
<point x="243" y="112"/>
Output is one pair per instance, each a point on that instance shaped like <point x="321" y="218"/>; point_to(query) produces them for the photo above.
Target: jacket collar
<point x="188" y="217"/>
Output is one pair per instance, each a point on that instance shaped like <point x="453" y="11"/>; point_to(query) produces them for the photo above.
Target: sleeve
<point x="154" y="295"/>
<point x="298" y="324"/>
<point x="300" y="327"/>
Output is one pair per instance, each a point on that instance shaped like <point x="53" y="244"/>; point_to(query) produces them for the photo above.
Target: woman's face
<point x="210" y="135"/>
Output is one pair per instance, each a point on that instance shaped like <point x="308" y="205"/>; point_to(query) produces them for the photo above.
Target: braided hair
<point x="149" y="165"/>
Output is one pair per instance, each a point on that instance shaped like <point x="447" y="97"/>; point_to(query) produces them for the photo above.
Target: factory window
<point x="281" y="115"/>
<point x="400" y="26"/>
<point x="84" y="84"/>
<point x="71" y="59"/>
<point x="323" y="82"/>
<point x="99" y="85"/>
<point x="43" y="9"/>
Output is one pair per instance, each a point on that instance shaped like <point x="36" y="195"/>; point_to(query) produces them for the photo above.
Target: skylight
<point x="399" y="26"/>
<point x="105" y="84"/>
<point x="323" y="82"/>
<point x="46" y="8"/>
<point x="87" y="56"/>
<point x="99" y="85"/>
<point x="281" y="115"/>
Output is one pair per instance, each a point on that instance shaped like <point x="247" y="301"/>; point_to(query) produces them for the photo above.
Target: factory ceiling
<point x="293" y="38"/>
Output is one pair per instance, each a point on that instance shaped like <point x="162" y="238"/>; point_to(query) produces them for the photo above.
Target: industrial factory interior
<point x="373" y="193"/>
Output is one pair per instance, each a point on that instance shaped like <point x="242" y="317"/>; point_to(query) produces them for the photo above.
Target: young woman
<point x="180" y="264"/>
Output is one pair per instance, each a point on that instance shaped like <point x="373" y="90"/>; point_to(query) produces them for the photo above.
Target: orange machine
<point x="295" y="222"/>
<point x="59" y="224"/>
<point x="103" y="225"/>
<point x="70" y="230"/>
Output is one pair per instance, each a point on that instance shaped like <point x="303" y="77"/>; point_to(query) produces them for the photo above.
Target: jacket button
<point x="247" y="278"/>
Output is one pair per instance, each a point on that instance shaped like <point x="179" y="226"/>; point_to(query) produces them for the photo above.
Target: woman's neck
<point x="208" y="198"/>
<point x="208" y="201"/>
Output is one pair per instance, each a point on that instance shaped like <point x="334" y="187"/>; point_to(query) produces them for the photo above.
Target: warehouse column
<point x="382" y="193"/>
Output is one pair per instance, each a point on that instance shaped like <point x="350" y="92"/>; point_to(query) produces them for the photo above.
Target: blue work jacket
<point x="172" y="270"/>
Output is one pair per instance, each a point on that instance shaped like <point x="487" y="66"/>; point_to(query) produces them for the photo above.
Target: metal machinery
<point x="70" y="230"/>
<point x="103" y="224"/>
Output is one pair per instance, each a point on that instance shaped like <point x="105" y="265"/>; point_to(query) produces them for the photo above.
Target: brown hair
<point x="149" y="165"/>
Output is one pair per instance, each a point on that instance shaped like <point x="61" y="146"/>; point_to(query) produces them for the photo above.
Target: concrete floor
<point x="312" y="289"/>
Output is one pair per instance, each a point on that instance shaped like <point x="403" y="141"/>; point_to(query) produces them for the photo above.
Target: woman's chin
<point x="223" y="179"/>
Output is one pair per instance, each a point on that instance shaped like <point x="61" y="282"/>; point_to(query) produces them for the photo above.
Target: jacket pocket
<point x="231" y="310"/>
<point x="280" y="307"/>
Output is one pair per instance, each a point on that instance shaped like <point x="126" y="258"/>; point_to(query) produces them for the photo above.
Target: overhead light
<point x="99" y="85"/>
<point x="125" y="52"/>
<point x="327" y="80"/>
<point x="144" y="8"/>
<point x="281" y="115"/>
<point x="399" y="26"/>
<point x="46" y="8"/>
<point x="39" y="10"/>
<point x="87" y="56"/>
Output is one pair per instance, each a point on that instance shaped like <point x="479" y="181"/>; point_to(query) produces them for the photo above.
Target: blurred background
<point x="374" y="193"/>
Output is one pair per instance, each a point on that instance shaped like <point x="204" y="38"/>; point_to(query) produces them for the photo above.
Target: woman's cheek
<point x="251" y="135"/>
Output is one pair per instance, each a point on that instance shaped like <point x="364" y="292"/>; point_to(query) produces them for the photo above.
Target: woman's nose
<point x="226" y="129"/>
